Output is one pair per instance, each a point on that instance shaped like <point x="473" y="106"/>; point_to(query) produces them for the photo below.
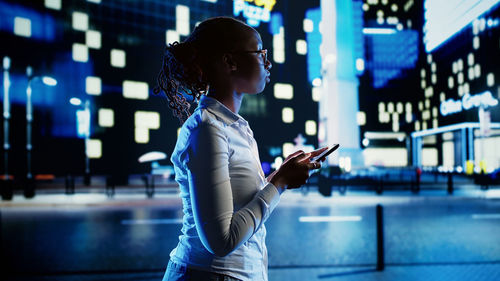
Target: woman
<point x="226" y="197"/>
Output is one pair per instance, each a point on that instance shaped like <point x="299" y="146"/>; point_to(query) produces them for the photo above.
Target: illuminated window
<point x="366" y="7"/>
<point x="392" y="20"/>
<point x="466" y="88"/>
<point x="454" y="67"/>
<point x="429" y="156"/>
<point x="450" y="82"/>
<point x="182" y="19"/>
<point x="360" y="64"/>
<point x="399" y="107"/>
<point x="423" y="84"/>
<point x="408" y="107"/>
<point x="93" y="39"/>
<point x="395" y="126"/>
<point x="380" y="13"/>
<point x="381" y="107"/>
<point x="141" y="135"/>
<point x="442" y="97"/>
<point x="384" y="2"/>
<point x="80" y="52"/>
<point x="135" y="90"/>
<point x="408" y="117"/>
<point x="460" y="65"/>
<point x="172" y="36"/>
<point x="80" y="21"/>
<point x="279" y="46"/>
<point x="361" y="118"/>
<point x="399" y="27"/>
<point x="53" y="4"/>
<point x="429" y="92"/>
<point x="308" y="25"/>
<point x="316" y="94"/>
<point x="420" y="106"/>
<point x="380" y="20"/>
<point x="422" y="73"/>
<point x="434" y="111"/>
<point x="490" y="79"/>
<point x="106" y="117"/>
<point x="433" y="67"/>
<point x="460" y="90"/>
<point x="118" y="58"/>
<point x="475" y="42"/>
<point x="448" y="153"/>
<point x="93" y="85"/>
<point x="429" y="58"/>
<point x="283" y="91"/>
<point x="471" y="73"/>
<point x="427" y="103"/>
<point x="287" y="115"/>
<point x="388" y="157"/>
<point x="94" y="148"/>
<point x="301" y="46"/>
<point x="460" y="78"/>
<point x="394" y="7"/>
<point x="477" y="70"/>
<point x="433" y="78"/>
<point x="470" y="59"/>
<point x="311" y="127"/>
<point x="424" y="125"/>
<point x="145" y="121"/>
<point x="22" y="27"/>
<point x="417" y="125"/>
<point x="288" y="148"/>
<point x="390" y="107"/>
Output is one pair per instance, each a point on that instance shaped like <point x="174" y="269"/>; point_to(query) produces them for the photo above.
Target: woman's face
<point x="252" y="72"/>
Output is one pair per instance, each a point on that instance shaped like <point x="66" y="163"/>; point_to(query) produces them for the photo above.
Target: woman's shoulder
<point x="200" y="118"/>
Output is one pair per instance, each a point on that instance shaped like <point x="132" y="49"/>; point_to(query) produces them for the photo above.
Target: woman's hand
<point x="294" y="171"/>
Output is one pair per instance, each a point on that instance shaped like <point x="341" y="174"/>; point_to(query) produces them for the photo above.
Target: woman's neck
<point x="230" y="99"/>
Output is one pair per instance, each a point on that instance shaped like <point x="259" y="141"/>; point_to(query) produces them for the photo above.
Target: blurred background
<point x="408" y="88"/>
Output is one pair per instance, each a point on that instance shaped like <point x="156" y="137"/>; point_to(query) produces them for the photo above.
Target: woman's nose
<point x="268" y="64"/>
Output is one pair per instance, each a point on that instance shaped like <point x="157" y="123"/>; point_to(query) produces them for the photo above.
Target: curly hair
<point x="186" y="67"/>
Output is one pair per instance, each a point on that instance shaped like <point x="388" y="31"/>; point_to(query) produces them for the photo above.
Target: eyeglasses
<point x="262" y="53"/>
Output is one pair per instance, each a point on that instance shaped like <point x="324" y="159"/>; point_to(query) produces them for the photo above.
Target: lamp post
<point x="49" y="81"/>
<point x="6" y="187"/>
<point x="83" y="123"/>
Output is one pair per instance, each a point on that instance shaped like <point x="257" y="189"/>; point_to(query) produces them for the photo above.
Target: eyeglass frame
<point x="260" y="52"/>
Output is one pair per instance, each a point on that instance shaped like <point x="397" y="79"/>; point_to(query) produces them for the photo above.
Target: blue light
<point x="313" y="42"/>
<point x="390" y="54"/>
<point x="444" y="19"/>
<point x="43" y="26"/>
<point x="276" y="23"/>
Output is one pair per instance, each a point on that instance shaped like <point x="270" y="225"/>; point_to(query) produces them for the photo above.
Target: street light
<point x="83" y="123"/>
<point x="6" y="187"/>
<point x="49" y="81"/>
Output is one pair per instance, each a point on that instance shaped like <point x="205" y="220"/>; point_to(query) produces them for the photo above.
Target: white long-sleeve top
<point x="226" y="198"/>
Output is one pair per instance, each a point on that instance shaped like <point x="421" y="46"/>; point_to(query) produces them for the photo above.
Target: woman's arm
<point x="220" y="228"/>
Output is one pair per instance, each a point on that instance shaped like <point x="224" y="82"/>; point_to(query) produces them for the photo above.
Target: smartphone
<point x="326" y="152"/>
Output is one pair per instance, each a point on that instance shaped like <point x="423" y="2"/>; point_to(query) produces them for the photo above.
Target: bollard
<point x="70" y="184"/>
<point x="450" y="183"/>
<point x="380" y="238"/>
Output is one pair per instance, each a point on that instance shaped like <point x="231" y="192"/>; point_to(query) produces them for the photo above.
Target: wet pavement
<point x="429" y="236"/>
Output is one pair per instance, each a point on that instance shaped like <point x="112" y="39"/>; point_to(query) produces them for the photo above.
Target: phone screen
<point x="326" y="152"/>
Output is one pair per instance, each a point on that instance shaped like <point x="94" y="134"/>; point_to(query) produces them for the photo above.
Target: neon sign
<point x="254" y="14"/>
<point x="484" y="100"/>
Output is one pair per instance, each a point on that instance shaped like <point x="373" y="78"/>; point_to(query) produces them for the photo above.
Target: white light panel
<point x="22" y="27"/>
<point x="80" y="21"/>
<point x="308" y="25"/>
<point x="53" y="4"/>
<point x="94" y="148"/>
<point x="118" y="58"/>
<point x="301" y="47"/>
<point x="287" y="115"/>
<point x="93" y="39"/>
<point x="283" y="91"/>
<point x="135" y="90"/>
<point x="80" y="52"/>
<point x="182" y="19"/>
<point x="106" y="117"/>
<point x="172" y="36"/>
<point x="311" y="127"/>
<point x="93" y="85"/>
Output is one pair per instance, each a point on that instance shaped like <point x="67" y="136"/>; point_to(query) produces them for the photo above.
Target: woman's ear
<point x="229" y="62"/>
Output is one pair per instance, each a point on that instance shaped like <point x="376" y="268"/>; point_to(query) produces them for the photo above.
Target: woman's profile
<point x="225" y="195"/>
